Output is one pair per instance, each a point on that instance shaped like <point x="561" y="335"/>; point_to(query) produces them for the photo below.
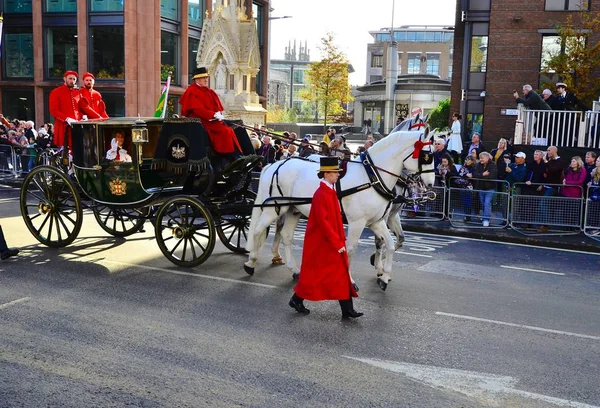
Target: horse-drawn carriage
<point x="161" y="170"/>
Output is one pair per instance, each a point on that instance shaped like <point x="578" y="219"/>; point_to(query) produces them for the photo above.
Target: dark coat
<point x="533" y="101"/>
<point x="518" y="173"/>
<point x="555" y="171"/>
<point x="569" y="102"/>
<point x="267" y="152"/>
<point x="486" y="184"/>
<point x="552" y="101"/>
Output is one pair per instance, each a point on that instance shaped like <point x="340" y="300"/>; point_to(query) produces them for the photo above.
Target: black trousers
<point x="3" y="246"/>
<point x="345" y="305"/>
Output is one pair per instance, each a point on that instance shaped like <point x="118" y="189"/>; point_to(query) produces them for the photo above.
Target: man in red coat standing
<point x="324" y="273"/>
<point x="91" y="103"/>
<point x="199" y="101"/>
<point x="64" y="106"/>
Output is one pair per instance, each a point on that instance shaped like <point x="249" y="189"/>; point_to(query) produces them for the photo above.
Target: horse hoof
<point x="382" y="284"/>
<point x="295" y="276"/>
<point x="249" y="270"/>
<point x="373" y="260"/>
<point x="277" y="260"/>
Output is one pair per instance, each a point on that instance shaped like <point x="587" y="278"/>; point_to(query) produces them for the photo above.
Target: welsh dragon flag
<point x="161" y="106"/>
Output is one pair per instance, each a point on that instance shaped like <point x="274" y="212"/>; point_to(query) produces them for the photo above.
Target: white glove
<point x="219" y="116"/>
<point x="114" y="145"/>
<point x="70" y="121"/>
<point x="342" y="249"/>
<point x="84" y="118"/>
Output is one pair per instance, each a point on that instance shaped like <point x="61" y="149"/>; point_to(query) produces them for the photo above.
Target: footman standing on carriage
<point x="64" y="106"/>
<point x="325" y="271"/>
<point x="199" y="101"/>
<point x="91" y="103"/>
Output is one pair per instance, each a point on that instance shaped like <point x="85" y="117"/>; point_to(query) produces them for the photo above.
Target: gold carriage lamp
<point x="139" y="136"/>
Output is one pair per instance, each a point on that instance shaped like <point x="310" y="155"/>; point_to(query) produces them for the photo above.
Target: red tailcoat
<point x="324" y="272"/>
<point x="92" y="105"/>
<point x="64" y="103"/>
<point x="202" y="102"/>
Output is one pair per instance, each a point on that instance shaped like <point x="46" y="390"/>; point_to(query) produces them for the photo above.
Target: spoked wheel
<point x="120" y="222"/>
<point x="51" y="206"/>
<point x="185" y="231"/>
<point x="233" y="228"/>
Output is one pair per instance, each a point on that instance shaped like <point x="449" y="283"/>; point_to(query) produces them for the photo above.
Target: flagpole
<point x="164" y="112"/>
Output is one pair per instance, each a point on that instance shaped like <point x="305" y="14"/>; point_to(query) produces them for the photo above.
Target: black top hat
<point x="200" y="73"/>
<point x="329" y="164"/>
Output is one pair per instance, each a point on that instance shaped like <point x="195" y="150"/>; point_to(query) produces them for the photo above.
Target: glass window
<point x="400" y="35"/>
<point x="377" y="61"/>
<point x="411" y="36"/>
<point x="61" y="6"/>
<point x="19" y="104"/>
<point x="433" y="64"/>
<point x="414" y="63"/>
<point x="62" y="50"/>
<point x="106" y="5"/>
<point x="429" y="36"/>
<point x="562" y="5"/>
<point x="169" y="9"/>
<point x="298" y="76"/>
<point x="193" y="44"/>
<point x="479" y="45"/>
<point x="168" y="56"/>
<point x="551" y="46"/>
<point x="196" y="12"/>
<point x="18" y="43"/>
<point x="172" y="105"/>
<point x="383" y="37"/>
<point x="108" y="52"/>
<point x="115" y="103"/>
<point x="17" y="6"/>
<point x="437" y="36"/>
<point x="420" y="36"/>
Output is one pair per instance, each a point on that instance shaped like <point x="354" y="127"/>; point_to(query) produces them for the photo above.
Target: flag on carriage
<point x="161" y="107"/>
<point x="1" y="24"/>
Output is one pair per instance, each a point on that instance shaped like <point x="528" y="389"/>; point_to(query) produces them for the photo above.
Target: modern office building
<point x="129" y="45"/>
<point x="501" y="45"/>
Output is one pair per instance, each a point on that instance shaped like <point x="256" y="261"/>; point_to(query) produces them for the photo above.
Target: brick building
<point x="129" y="46"/>
<point x="498" y="47"/>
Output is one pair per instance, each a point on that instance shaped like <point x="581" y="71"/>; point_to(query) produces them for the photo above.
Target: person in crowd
<point x="439" y="151"/>
<point x="550" y="99"/>
<point x="365" y="147"/>
<point x="536" y="171"/>
<point x="292" y="151"/>
<point x="517" y="172"/>
<point x="553" y="177"/>
<point x="476" y="143"/>
<point x="305" y="147"/>
<point x="91" y="104"/>
<point x="574" y="180"/>
<point x="594" y="183"/>
<point x="42" y="140"/>
<point x="279" y="149"/>
<point x="589" y="164"/>
<point x="199" y="101"/>
<point x="324" y="149"/>
<point x="267" y="151"/>
<point x="256" y="144"/>
<point x="486" y="171"/>
<point x="64" y="107"/>
<point x="447" y="170"/>
<point x="498" y="155"/>
<point x="117" y="152"/>
<point x="568" y="100"/>
<point x="475" y="155"/>
<point x="328" y="136"/>
<point x="465" y="174"/>
<point x="324" y="273"/>
<point x="531" y="99"/>
<point x="5" y="251"/>
<point x="455" y="144"/>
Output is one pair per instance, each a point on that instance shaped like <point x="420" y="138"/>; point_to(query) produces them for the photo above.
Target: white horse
<point x="370" y="184"/>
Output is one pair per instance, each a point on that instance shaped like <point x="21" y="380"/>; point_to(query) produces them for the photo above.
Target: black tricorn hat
<point x="200" y="73"/>
<point x="329" y="164"/>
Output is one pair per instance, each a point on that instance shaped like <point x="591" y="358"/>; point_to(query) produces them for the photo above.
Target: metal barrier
<point x="434" y="210"/>
<point x="591" y="222"/>
<point x="467" y="206"/>
<point x="7" y="161"/>
<point x="545" y="211"/>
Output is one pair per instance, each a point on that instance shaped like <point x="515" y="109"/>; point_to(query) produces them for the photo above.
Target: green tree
<point x="440" y="115"/>
<point x="327" y="80"/>
<point x="576" y="58"/>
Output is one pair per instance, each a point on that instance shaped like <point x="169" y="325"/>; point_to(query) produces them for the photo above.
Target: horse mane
<point x="390" y="140"/>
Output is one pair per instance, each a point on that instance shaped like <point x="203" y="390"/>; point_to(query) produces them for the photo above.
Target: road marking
<point x="478" y="386"/>
<point x="6" y="200"/>
<point x="195" y="275"/>
<point x="410" y="253"/>
<point x="532" y="270"/>
<point x="521" y="326"/>
<point x="14" y="302"/>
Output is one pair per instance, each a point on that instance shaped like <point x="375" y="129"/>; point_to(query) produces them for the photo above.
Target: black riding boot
<point x="348" y="309"/>
<point x="5" y="251"/>
<point x="297" y="303"/>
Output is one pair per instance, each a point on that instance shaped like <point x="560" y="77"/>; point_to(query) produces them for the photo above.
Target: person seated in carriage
<point x="116" y="151"/>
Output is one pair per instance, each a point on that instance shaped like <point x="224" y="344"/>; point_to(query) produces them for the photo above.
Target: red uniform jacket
<point x="202" y="102"/>
<point x="64" y="103"/>
<point x="324" y="272"/>
<point x="92" y="105"/>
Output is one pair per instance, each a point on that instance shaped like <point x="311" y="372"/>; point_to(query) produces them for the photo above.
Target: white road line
<point x="6" y="200"/>
<point x="195" y="275"/>
<point x="410" y="253"/>
<point x="531" y="270"/>
<point x="521" y="326"/>
<point x="14" y="302"/>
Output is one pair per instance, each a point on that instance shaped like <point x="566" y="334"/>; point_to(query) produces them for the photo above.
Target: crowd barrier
<point x="591" y="222"/>
<point x="477" y="207"/>
<point x="15" y="160"/>
<point x="434" y="210"/>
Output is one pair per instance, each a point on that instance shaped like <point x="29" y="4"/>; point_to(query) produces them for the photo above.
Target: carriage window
<point x="117" y="145"/>
<point x="86" y="154"/>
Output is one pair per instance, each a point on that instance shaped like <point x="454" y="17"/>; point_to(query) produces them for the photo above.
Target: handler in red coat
<point x="324" y="273"/>
<point x="64" y="106"/>
<point x="199" y="101"/>
<point x="91" y="103"/>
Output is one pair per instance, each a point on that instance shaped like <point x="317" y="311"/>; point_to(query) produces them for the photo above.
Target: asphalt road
<point x="108" y="322"/>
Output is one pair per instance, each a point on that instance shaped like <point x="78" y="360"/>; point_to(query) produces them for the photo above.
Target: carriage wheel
<point x="185" y="231"/>
<point x="51" y="206"/>
<point x="120" y="222"/>
<point x="233" y="228"/>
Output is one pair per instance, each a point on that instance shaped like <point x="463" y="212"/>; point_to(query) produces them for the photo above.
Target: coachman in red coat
<point x="199" y="101"/>
<point x="64" y="106"/>
<point x="91" y="103"/>
<point x="324" y="273"/>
